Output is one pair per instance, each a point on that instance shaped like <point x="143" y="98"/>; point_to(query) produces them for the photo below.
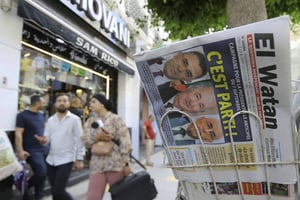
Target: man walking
<point x="63" y="132"/>
<point x="150" y="139"/>
<point x="29" y="124"/>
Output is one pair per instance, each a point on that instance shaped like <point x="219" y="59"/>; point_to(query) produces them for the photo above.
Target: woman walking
<point x="106" y="169"/>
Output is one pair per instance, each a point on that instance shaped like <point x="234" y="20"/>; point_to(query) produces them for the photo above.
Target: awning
<point x="30" y="10"/>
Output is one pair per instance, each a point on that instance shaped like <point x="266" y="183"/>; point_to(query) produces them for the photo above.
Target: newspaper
<point x="213" y="77"/>
<point x="230" y="191"/>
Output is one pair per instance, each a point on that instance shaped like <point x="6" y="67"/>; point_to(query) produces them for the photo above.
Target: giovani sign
<point x="95" y="10"/>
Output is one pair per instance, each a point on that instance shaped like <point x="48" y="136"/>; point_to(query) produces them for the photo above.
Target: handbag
<point x="134" y="187"/>
<point x="102" y="148"/>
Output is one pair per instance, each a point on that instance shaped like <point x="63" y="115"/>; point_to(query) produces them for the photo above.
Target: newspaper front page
<point x="211" y="78"/>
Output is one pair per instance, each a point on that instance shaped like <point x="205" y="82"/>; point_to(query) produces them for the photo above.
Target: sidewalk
<point x="165" y="182"/>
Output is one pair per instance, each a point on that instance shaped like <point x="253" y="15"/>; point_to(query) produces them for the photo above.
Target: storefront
<point x="53" y="50"/>
<point x="64" y="70"/>
<point x="57" y="59"/>
<point x="47" y="48"/>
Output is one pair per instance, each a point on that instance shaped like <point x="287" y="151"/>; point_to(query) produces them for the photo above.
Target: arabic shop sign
<point x="96" y="11"/>
<point x="43" y="41"/>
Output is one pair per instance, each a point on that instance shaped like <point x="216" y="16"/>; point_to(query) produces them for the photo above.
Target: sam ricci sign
<point x="93" y="50"/>
<point x="95" y="10"/>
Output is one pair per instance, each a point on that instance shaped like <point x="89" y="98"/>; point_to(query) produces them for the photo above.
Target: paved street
<point x="165" y="182"/>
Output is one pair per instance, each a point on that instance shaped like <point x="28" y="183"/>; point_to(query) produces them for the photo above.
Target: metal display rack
<point x="182" y="193"/>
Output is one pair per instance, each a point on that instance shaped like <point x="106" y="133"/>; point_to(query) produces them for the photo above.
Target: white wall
<point x="10" y="47"/>
<point x="129" y="106"/>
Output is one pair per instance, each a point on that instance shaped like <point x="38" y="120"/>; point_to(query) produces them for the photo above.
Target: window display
<point x="47" y="74"/>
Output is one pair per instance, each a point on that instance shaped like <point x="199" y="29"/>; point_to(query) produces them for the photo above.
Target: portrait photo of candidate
<point x="197" y="98"/>
<point x="210" y="130"/>
<point x="183" y="66"/>
<point x="209" y="127"/>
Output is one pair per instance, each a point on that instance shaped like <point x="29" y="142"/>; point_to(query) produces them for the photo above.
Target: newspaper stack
<point x="235" y="88"/>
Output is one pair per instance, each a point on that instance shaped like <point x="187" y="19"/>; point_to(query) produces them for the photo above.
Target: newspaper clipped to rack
<point x="211" y="78"/>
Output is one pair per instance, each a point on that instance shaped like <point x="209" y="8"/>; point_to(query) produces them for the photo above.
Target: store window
<point x="47" y="74"/>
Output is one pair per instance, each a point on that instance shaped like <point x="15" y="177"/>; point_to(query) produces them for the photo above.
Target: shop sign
<point x="96" y="11"/>
<point x="92" y="49"/>
<point x="49" y="44"/>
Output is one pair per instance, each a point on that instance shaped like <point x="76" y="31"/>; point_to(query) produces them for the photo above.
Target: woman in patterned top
<point x="109" y="168"/>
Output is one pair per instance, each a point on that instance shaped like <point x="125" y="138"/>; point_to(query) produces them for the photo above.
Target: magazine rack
<point x="183" y="193"/>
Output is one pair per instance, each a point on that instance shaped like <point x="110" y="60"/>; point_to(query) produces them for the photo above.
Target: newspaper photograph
<point x="213" y="77"/>
<point x="230" y="191"/>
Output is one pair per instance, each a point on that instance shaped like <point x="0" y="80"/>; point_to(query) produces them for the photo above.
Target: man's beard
<point x="62" y="110"/>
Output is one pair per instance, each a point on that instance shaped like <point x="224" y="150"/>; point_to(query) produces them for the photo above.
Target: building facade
<point x="75" y="47"/>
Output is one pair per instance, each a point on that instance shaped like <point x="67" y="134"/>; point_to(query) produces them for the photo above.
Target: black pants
<point x="58" y="177"/>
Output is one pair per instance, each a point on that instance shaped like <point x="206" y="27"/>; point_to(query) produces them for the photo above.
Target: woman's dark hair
<point x="106" y="102"/>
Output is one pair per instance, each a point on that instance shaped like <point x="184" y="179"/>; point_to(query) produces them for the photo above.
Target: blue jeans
<point x="58" y="177"/>
<point x="37" y="162"/>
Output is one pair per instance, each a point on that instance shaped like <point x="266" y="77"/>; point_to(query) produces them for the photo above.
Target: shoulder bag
<point x="134" y="187"/>
<point x="102" y="148"/>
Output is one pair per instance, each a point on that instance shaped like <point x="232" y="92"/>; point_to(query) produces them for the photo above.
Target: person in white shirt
<point x="63" y="131"/>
